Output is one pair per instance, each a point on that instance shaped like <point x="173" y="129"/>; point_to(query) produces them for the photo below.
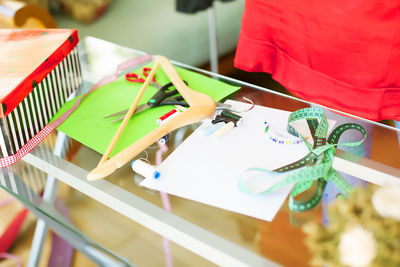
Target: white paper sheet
<point x="206" y="169"/>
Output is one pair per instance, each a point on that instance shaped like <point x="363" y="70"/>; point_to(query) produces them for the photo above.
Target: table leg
<point x="49" y="195"/>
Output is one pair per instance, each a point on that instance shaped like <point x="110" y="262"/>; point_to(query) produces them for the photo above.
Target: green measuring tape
<point x="315" y="167"/>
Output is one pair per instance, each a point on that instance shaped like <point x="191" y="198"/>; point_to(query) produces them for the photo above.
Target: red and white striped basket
<point x="40" y="69"/>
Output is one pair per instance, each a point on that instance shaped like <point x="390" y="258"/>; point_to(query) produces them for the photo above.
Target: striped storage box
<point x="40" y="69"/>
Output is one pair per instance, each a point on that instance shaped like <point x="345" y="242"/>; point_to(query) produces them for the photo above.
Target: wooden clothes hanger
<point x="201" y="107"/>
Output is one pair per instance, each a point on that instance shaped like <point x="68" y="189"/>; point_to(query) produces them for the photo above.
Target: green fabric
<point x="88" y="126"/>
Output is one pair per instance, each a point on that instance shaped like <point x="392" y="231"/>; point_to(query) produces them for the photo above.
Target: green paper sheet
<point x="88" y="126"/>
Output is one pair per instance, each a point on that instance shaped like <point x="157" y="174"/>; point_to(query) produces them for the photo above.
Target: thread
<point x="226" y="119"/>
<point x="207" y="131"/>
<point x="145" y="169"/>
<point x="251" y="102"/>
<point x="230" y="115"/>
<point x="225" y="129"/>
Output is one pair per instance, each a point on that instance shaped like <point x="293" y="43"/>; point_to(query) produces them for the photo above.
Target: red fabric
<point x="343" y="54"/>
<point x="12" y="230"/>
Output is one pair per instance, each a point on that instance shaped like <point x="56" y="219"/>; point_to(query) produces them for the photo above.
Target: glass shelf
<point x="219" y="236"/>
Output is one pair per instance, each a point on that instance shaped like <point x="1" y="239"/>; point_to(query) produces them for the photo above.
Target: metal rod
<point x="212" y="28"/>
<point x="49" y="195"/>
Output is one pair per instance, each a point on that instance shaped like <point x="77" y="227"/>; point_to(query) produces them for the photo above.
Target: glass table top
<point x="200" y="233"/>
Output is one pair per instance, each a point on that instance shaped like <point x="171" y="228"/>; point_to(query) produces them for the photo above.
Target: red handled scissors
<point x="136" y="78"/>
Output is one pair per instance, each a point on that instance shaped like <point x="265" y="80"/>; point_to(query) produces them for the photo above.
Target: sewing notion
<point x="230" y="121"/>
<point x="225" y="129"/>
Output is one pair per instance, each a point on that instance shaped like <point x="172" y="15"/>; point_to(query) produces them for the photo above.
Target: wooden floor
<point x="144" y="247"/>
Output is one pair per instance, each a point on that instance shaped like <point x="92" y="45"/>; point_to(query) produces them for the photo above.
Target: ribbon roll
<point x="145" y="169"/>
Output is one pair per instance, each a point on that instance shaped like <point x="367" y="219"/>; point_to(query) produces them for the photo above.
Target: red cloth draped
<point x="344" y="54"/>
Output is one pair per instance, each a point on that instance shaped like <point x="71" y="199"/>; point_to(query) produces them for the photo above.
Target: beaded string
<point x="279" y="138"/>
